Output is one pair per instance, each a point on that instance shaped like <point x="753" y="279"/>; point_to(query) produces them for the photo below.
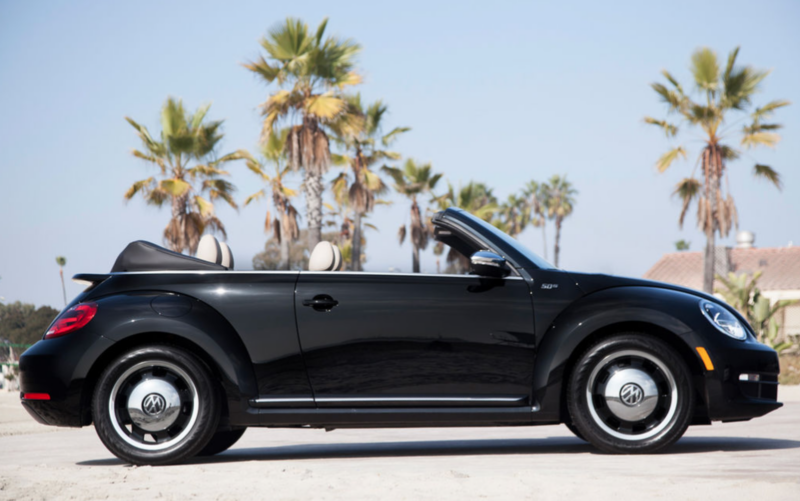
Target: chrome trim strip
<point x="275" y="272"/>
<point x="204" y="272"/>
<point x="420" y="399"/>
<point x="280" y="400"/>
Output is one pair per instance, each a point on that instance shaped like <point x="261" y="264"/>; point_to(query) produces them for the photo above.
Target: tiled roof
<point x="780" y="267"/>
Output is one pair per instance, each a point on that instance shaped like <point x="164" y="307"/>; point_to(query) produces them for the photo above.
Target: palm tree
<point x="513" y="215"/>
<point x="284" y="225"/>
<point x="560" y="202"/>
<point x="412" y="181"/>
<point x="741" y="292"/>
<point x="537" y="195"/>
<point x="310" y="72"/>
<point x="722" y="95"/>
<point x="363" y="146"/>
<point x="62" y="261"/>
<point x="475" y="198"/>
<point x="185" y="138"/>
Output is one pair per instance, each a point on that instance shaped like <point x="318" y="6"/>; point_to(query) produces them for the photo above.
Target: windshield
<point x="539" y="261"/>
<point x="494" y="233"/>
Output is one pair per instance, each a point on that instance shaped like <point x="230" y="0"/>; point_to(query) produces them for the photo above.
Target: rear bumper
<point x="731" y="398"/>
<point x="59" y="368"/>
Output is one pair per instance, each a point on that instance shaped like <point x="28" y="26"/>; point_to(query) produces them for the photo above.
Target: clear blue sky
<point x="500" y="92"/>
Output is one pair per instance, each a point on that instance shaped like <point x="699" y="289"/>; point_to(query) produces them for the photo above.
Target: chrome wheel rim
<point x="153" y="405"/>
<point x="632" y="395"/>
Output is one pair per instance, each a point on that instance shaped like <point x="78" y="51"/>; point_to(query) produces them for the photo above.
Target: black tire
<point x="222" y="441"/>
<point x="630" y="393"/>
<point x="165" y="405"/>
<point x="575" y="431"/>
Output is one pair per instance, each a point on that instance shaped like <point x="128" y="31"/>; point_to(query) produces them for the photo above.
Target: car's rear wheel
<point x="156" y="405"/>
<point x="630" y="393"/>
<point x="222" y="441"/>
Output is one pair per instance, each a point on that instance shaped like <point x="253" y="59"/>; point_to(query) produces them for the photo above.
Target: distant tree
<point x="364" y="148"/>
<point x="536" y="194"/>
<point x="270" y="257"/>
<point x="741" y="291"/>
<point x="310" y="71"/>
<point x="560" y="203"/>
<point x="185" y="138"/>
<point x="23" y="323"/>
<point x="284" y="225"/>
<point x="722" y="94"/>
<point x="477" y="199"/>
<point x="413" y="181"/>
<point x="62" y="261"/>
<point x="513" y="215"/>
<point x="682" y="245"/>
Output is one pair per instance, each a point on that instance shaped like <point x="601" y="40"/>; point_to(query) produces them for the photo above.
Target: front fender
<point x="632" y="307"/>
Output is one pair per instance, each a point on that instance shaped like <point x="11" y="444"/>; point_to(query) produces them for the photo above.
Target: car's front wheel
<point x="630" y="393"/>
<point x="156" y="405"/>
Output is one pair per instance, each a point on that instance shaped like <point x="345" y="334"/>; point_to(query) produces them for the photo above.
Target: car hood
<point x="593" y="282"/>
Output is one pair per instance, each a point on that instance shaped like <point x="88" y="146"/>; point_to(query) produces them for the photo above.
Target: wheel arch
<point x="203" y="332"/>
<point x="656" y="331"/>
<point x="604" y="314"/>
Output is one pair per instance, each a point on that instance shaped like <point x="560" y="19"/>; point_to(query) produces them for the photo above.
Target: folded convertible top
<point x="146" y="256"/>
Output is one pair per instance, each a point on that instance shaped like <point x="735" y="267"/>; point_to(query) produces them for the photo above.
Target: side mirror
<point x="488" y="264"/>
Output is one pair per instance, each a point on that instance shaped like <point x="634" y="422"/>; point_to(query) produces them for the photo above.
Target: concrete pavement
<point x="759" y="459"/>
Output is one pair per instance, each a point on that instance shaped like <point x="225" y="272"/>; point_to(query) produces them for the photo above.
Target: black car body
<point x="342" y="349"/>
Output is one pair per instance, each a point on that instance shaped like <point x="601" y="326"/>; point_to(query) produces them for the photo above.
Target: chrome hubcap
<point x="153" y="405"/>
<point x="632" y="395"/>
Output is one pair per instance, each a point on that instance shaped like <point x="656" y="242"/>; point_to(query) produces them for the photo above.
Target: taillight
<point x="72" y="320"/>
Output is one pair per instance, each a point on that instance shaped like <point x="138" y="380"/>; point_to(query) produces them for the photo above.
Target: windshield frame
<point x="509" y="247"/>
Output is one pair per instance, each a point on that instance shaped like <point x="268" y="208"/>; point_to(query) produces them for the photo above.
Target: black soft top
<point x="146" y="256"/>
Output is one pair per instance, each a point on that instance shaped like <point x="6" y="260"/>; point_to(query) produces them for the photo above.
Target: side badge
<point x="549" y="286"/>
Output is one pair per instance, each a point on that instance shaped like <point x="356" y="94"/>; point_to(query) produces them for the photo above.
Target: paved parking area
<point x="759" y="459"/>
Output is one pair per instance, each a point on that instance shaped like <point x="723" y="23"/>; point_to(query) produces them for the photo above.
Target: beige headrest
<point x="212" y="250"/>
<point x="325" y="257"/>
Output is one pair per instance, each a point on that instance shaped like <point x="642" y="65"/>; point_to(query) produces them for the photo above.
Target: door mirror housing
<point x="488" y="264"/>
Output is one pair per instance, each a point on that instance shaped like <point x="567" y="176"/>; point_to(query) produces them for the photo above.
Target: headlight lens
<point x="723" y="320"/>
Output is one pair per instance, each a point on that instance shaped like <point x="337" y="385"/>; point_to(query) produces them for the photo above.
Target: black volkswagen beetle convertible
<point x="172" y="356"/>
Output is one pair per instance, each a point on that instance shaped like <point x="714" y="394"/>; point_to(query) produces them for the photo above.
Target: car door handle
<point x="322" y="302"/>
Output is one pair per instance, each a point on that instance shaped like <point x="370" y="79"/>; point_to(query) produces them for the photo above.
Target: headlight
<point x="723" y="320"/>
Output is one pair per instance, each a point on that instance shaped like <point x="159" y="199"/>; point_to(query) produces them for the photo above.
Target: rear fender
<point x="131" y="319"/>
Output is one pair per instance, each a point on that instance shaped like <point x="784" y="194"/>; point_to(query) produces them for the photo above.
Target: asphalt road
<point x="759" y="460"/>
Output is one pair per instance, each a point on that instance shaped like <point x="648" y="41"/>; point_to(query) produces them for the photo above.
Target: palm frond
<point x="768" y="173"/>
<point x="705" y="69"/>
<point x="669" y="129"/>
<point x="667" y="158"/>
<point x="768" y="139"/>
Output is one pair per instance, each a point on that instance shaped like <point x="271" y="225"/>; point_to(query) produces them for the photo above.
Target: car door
<point x="373" y="339"/>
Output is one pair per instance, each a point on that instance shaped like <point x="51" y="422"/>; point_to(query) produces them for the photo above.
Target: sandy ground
<point x="753" y="460"/>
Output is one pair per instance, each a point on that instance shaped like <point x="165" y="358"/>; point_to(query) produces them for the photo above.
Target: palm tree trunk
<point x="313" y="189"/>
<point x="284" y="263"/>
<point x="712" y="187"/>
<point x="415" y="259"/>
<point x="63" y="287"/>
<point x="178" y="240"/>
<point x="557" y="249"/>
<point x="355" y="261"/>
<point x="708" y="262"/>
<point x="544" y="238"/>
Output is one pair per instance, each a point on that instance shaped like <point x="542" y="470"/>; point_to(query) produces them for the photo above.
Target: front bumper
<point x="59" y="367"/>
<point x="731" y="398"/>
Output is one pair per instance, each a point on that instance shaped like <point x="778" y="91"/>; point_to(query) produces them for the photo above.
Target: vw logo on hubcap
<point x="631" y="394"/>
<point x="153" y="404"/>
